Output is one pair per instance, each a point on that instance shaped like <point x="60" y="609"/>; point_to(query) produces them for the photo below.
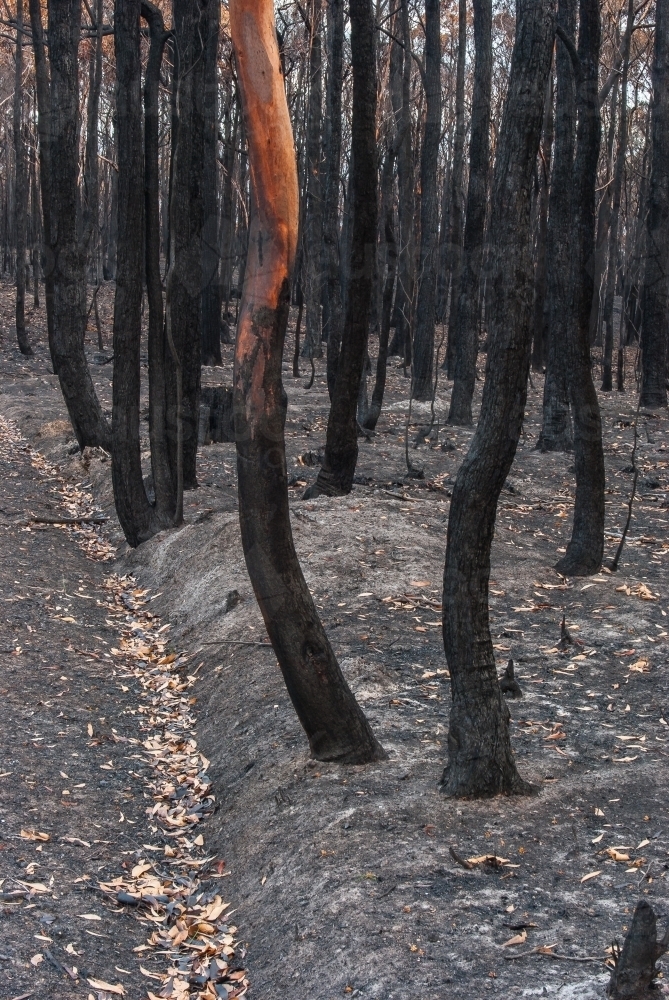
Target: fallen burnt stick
<point x="92" y="519"/>
<point x="634" y="971"/>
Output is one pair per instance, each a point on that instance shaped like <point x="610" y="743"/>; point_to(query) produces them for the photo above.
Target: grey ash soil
<point x="343" y="881"/>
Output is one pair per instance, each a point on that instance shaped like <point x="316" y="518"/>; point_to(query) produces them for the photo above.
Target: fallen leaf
<point x="36" y="959"/>
<point x="644" y="843"/>
<point x="98" y="984"/>
<point x="586" y="878"/>
<point x="89" y="916"/>
<point x="516" y="939"/>
<point x="597" y="839"/>
<point x="35" y="835"/>
<point x="617" y="855"/>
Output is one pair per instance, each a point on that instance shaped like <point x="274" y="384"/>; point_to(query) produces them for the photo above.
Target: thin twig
<point x="236" y="642"/>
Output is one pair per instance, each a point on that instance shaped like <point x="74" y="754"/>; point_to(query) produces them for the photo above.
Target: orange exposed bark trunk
<point x="330" y="715"/>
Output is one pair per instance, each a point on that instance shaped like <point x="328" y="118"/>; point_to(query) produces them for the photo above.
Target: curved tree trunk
<point x="468" y="305"/>
<point x="313" y="223"/>
<point x="539" y="332"/>
<point x="429" y="215"/>
<point x="341" y="445"/>
<point x="480" y="757"/>
<point x="332" y="719"/>
<point x="586" y="546"/>
<point x="21" y="189"/>
<point x="655" y="294"/>
<point x="65" y="255"/>
<point x="556" y="431"/>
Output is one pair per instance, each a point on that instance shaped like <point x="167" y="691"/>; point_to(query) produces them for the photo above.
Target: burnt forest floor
<point x="341" y="878"/>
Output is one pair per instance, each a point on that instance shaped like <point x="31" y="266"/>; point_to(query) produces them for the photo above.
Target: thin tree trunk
<point x="335" y="725"/>
<point x="211" y="285"/>
<point x="132" y="505"/>
<point x="164" y="477"/>
<point x="333" y="312"/>
<point x="21" y="189"/>
<point x="616" y="195"/>
<point x="91" y="192"/>
<point x="539" y="331"/>
<point x="341" y="446"/>
<point x="66" y="257"/>
<point x="655" y="293"/>
<point x="44" y="132"/>
<point x="556" y="431"/>
<point x="313" y="225"/>
<point x="374" y="411"/>
<point x="586" y="546"/>
<point x="184" y="279"/>
<point x="423" y="361"/>
<point x="468" y="303"/>
<point x="480" y="757"/>
<point x="400" y="92"/>
<point x="603" y="224"/>
<point x="456" y="214"/>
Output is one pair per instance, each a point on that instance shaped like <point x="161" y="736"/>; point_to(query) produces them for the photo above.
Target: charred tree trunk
<point x="468" y="305"/>
<point x="44" y="132"/>
<point x="603" y="224"/>
<point x="20" y="189"/>
<point x="184" y="277"/>
<point x="539" y="331"/>
<point x="341" y="446"/>
<point x="556" y="432"/>
<point x="164" y="477"/>
<point x="426" y="298"/>
<point x="66" y="256"/>
<point x="586" y="546"/>
<point x="211" y="284"/>
<point x="456" y="214"/>
<point x="333" y="312"/>
<point x="332" y="719"/>
<point x="400" y="92"/>
<point x="616" y="195"/>
<point x="635" y="970"/>
<point x="91" y="193"/>
<point x="374" y="411"/>
<point x="655" y="292"/>
<point x="132" y="504"/>
<point x="313" y="225"/>
<point x="480" y="758"/>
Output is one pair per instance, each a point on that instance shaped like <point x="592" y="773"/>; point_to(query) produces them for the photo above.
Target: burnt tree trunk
<point x="468" y="307"/>
<point x="423" y="355"/>
<point x="556" y="431"/>
<point x="333" y="311"/>
<point x="313" y="223"/>
<point x="332" y="719"/>
<point x="456" y="213"/>
<point x="20" y="189"/>
<point x="616" y="196"/>
<point x="211" y="284"/>
<point x="43" y="93"/>
<point x="586" y="546"/>
<point x="341" y="446"/>
<point x="635" y="971"/>
<point x="655" y="292"/>
<point x="66" y="255"/>
<point x="603" y="223"/>
<point x="539" y="331"/>
<point x="184" y="277"/>
<point x="374" y="411"/>
<point x="132" y="505"/>
<point x="480" y="757"/>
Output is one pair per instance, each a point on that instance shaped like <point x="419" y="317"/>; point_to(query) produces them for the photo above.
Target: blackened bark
<point x="132" y="504"/>
<point x="66" y="256"/>
<point x="480" y="757"/>
<point x="586" y="546"/>
<point x="603" y="223"/>
<point x="20" y="189"/>
<point x="184" y="278"/>
<point x="341" y="447"/>
<point x="91" y="194"/>
<point x="456" y="214"/>
<point x="211" y="285"/>
<point x="313" y="225"/>
<point x="423" y="359"/>
<point x="374" y="411"/>
<point x="333" y="311"/>
<point x="44" y="132"/>
<point x="556" y="431"/>
<point x="332" y="719"/>
<point x="635" y="970"/>
<point x="655" y="293"/>
<point x="164" y="477"/>
<point x="468" y="304"/>
<point x="400" y="93"/>
<point x="539" y="333"/>
<point x="616" y="195"/>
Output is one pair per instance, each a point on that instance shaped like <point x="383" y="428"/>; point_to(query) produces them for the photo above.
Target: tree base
<point x="578" y="563"/>
<point x="368" y="753"/>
